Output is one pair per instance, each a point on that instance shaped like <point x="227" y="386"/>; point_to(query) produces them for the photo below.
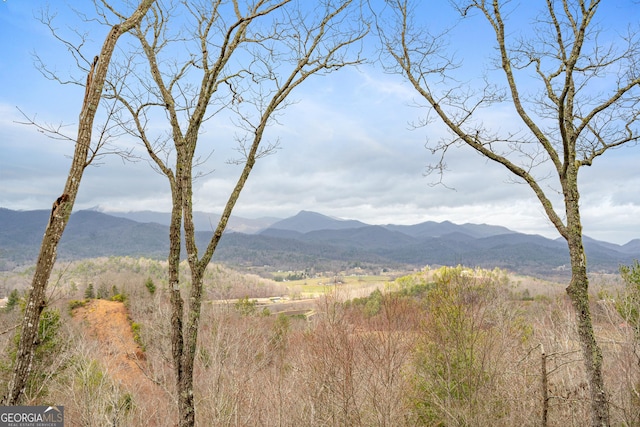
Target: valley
<point x="276" y="348"/>
<point x="313" y="243"/>
<point x="321" y="321"/>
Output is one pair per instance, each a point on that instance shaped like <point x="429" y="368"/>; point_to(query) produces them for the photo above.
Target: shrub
<point x="119" y="297"/>
<point x="151" y="287"/>
<point x="89" y="292"/>
<point x="12" y="300"/>
<point x="73" y="304"/>
<point x="47" y="360"/>
<point x="135" y="328"/>
<point x="456" y="356"/>
<point x="628" y="302"/>
<point x="246" y="307"/>
<point x="98" y="399"/>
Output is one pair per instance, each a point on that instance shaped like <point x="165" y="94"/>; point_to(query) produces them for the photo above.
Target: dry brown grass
<point x="341" y="367"/>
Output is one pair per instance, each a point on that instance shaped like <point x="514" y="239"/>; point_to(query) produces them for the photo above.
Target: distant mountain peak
<point x="309" y="239"/>
<point x="304" y="213"/>
<point x="306" y="221"/>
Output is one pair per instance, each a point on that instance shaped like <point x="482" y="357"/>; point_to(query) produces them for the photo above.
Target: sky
<point x="347" y="148"/>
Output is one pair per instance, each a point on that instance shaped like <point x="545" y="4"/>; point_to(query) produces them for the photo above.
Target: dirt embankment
<point x="108" y="323"/>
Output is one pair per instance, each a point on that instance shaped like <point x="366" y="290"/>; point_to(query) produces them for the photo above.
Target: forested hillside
<point x="439" y="346"/>
<point x="313" y="241"/>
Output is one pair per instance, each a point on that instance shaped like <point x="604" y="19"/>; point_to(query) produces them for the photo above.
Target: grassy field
<point x="350" y="286"/>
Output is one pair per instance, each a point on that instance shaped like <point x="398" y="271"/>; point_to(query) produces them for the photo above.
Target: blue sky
<point x="347" y="149"/>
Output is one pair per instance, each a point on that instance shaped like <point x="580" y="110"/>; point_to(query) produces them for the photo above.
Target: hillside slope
<point x="341" y="245"/>
<point x="107" y="324"/>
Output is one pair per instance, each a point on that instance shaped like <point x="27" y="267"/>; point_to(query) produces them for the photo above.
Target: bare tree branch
<point x="61" y="209"/>
<point x="241" y="60"/>
<point x="576" y="115"/>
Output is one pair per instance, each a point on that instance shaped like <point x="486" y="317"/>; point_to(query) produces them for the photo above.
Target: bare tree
<point x="83" y="155"/>
<point x="586" y="103"/>
<point x="229" y="57"/>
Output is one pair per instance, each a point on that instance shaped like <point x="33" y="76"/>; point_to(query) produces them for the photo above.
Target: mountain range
<point x="306" y="241"/>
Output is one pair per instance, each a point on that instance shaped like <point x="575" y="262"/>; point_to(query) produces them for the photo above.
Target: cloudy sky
<point x="347" y="149"/>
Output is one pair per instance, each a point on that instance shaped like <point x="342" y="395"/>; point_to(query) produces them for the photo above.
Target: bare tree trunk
<point x="325" y="49"/>
<point x="579" y="295"/>
<point x="187" y="337"/>
<point x="578" y="291"/>
<point x="62" y="208"/>
<point x="183" y="357"/>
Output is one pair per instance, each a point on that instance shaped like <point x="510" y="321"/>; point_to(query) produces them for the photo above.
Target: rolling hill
<point x="311" y="240"/>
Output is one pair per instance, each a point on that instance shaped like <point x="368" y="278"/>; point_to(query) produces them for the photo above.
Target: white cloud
<point x="346" y="150"/>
